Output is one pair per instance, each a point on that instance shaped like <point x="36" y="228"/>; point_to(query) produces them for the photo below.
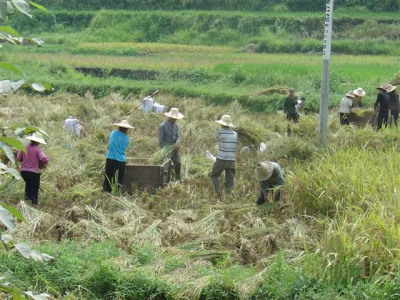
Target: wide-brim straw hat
<point x="382" y="87"/>
<point x="264" y="170"/>
<point x="123" y="124"/>
<point x="359" y="92"/>
<point x="390" y="88"/>
<point x="350" y="94"/>
<point x="225" y="121"/>
<point x="37" y="137"/>
<point x="174" y="114"/>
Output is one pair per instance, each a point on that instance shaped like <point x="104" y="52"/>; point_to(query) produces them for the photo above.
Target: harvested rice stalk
<point x="151" y="235"/>
<point x="161" y="155"/>
<point x="250" y="137"/>
<point x="210" y="223"/>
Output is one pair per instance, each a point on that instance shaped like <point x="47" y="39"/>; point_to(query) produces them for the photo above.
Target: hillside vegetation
<point x="245" y="5"/>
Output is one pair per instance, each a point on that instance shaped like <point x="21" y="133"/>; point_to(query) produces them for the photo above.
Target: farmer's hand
<point x="176" y="146"/>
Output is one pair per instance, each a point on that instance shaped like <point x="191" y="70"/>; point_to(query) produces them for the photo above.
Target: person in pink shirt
<point x="30" y="171"/>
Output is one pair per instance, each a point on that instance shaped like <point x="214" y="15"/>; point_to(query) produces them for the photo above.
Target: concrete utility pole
<point x="324" y="102"/>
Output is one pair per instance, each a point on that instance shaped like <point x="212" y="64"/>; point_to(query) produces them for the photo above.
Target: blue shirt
<point x="119" y="141"/>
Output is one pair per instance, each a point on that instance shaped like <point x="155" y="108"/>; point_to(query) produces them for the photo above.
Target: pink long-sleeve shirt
<point x="30" y="161"/>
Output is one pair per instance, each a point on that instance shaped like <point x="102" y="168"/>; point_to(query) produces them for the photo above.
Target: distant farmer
<point x="30" y="167"/>
<point x="169" y="135"/>
<point x="358" y="100"/>
<point x="290" y="106"/>
<point x="73" y="125"/>
<point x="345" y="107"/>
<point x="394" y="105"/>
<point x="299" y="106"/>
<point x="116" y="160"/>
<point x="228" y="140"/>
<point x="269" y="175"/>
<point x="382" y="101"/>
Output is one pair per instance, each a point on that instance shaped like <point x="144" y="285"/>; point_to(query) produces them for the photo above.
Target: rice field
<point x="338" y="210"/>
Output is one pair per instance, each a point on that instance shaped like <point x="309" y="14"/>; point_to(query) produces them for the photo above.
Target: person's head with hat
<point x="123" y="126"/>
<point x="264" y="170"/>
<point x="359" y="92"/>
<point x="173" y="115"/>
<point x="225" y="122"/>
<point x="350" y="94"/>
<point x="36" y="138"/>
<point x="382" y="88"/>
<point x="390" y="88"/>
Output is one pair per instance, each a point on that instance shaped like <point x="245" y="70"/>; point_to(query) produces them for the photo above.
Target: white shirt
<point x="345" y="105"/>
<point x="299" y="106"/>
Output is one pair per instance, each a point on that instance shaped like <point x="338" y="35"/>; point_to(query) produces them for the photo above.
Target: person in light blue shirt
<point x="116" y="160"/>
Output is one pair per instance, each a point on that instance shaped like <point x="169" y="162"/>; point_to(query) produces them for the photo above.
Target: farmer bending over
<point x="270" y="176"/>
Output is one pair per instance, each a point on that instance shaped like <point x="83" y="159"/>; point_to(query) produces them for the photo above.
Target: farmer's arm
<point x="19" y="156"/>
<point x="161" y="137"/>
<point x="42" y="157"/>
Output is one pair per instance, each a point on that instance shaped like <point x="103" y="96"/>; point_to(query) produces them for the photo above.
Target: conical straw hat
<point x="37" y="137"/>
<point x="264" y="170"/>
<point x="174" y="114"/>
<point x="123" y="124"/>
<point x="225" y="121"/>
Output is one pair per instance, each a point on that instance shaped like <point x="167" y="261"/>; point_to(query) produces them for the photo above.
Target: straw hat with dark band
<point x="382" y="87"/>
<point x="225" y="121"/>
<point x="123" y="124"/>
<point x="390" y="88"/>
<point x="37" y="137"/>
<point x="174" y="114"/>
<point x="264" y="170"/>
<point x="350" y="94"/>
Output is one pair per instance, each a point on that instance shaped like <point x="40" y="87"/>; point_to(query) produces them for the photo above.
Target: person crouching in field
<point x="358" y="97"/>
<point x="116" y="160"/>
<point x="168" y="134"/>
<point x="228" y="140"/>
<point x="345" y="106"/>
<point x="31" y="164"/>
<point x="270" y="176"/>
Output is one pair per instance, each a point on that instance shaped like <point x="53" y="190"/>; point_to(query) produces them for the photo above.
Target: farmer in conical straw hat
<point x="394" y="105"/>
<point x="344" y="109"/>
<point x="116" y="160"/>
<point x="358" y="100"/>
<point x="168" y="134"/>
<point x="73" y="125"/>
<point x="226" y="156"/>
<point x="382" y="101"/>
<point x="30" y="166"/>
<point x="269" y="175"/>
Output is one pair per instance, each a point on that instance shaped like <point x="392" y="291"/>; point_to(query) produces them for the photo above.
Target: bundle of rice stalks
<point x="250" y="137"/>
<point x="362" y="112"/>
<point x="131" y="206"/>
<point x="210" y="224"/>
<point x="161" y="155"/>
<point x="92" y="231"/>
<point x="179" y="226"/>
<point x="151" y="235"/>
<point x="37" y="222"/>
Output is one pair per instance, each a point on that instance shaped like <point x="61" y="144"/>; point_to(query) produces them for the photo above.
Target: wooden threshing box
<point x="362" y="121"/>
<point x="139" y="173"/>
